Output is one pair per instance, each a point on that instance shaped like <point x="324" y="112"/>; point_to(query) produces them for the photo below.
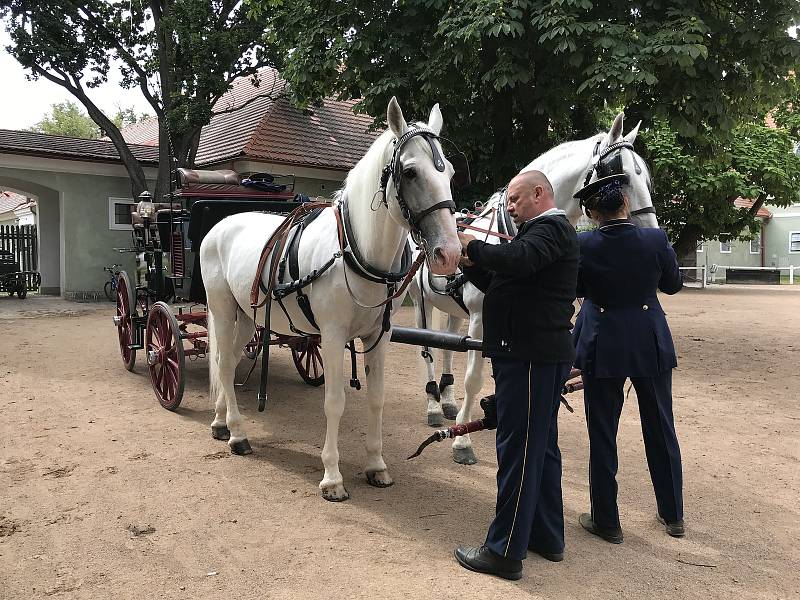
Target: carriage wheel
<point x="165" y="356"/>
<point x="254" y="346"/>
<point x="308" y="361"/>
<point x="125" y="310"/>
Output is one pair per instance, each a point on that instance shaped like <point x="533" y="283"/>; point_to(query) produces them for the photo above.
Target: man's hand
<point x="465" y="239"/>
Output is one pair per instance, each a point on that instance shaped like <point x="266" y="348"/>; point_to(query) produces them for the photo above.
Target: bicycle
<point x="110" y="287"/>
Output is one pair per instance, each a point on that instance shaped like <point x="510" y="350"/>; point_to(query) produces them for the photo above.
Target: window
<point x="119" y="213"/>
<point x="794" y="241"/>
<point x="755" y="245"/>
<point x="701" y="247"/>
<point x="725" y="247"/>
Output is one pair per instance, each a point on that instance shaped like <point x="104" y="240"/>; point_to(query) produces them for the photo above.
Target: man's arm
<point x="477" y="276"/>
<point x="540" y="246"/>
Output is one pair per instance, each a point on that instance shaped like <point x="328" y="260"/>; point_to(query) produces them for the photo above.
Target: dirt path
<point x="104" y="494"/>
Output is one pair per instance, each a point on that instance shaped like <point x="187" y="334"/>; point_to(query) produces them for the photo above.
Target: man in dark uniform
<point x="622" y="332"/>
<point x="530" y="290"/>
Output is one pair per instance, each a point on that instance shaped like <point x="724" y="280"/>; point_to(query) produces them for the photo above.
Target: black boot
<point x="483" y="560"/>
<point x="613" y="535"/>
<point x="674" y="528"/>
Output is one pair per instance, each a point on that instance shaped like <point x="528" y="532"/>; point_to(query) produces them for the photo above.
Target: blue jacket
<point x="621" y="330"/>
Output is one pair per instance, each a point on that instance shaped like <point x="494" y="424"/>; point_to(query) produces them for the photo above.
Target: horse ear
<point x="435" y="120"/>
<point x="615" y="133"/>
<point x="632" y="133"/>
<point x="394" y="117"/>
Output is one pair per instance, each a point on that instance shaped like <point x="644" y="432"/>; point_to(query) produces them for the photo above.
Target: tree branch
<point x="268" y="94"/>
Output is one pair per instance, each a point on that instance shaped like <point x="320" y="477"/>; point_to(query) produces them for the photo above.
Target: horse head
<point x="614" y="154"/>
<point x="422" y="199"/>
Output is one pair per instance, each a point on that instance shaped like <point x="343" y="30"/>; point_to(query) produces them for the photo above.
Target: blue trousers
<point x="603" y="399"/>
<point x="529" y="512"/>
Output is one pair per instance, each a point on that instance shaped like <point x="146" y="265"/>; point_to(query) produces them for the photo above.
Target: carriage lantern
<point x="145" y="207"/>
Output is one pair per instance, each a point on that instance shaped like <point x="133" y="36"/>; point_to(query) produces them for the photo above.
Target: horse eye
<point x="409" y="173"/>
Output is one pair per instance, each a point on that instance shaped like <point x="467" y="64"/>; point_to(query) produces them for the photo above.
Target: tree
<point x="181" y="54"/>
<point x="695" y="190"/>
<point x="66" y="118"/>
<point x="128" y="116"/>
<point x="514" y="77"/>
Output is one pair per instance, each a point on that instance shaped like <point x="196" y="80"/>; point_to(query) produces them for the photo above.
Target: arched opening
<point x="49" y="230"/>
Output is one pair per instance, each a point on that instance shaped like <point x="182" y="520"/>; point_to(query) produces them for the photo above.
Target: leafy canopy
<point x="515" y="77"/>
<point x="67" y="118"/>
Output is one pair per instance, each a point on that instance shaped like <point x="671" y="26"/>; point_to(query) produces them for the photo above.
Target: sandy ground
<point x="104" y="494"/>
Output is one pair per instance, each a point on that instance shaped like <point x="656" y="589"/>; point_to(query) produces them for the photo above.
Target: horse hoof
<point x="220" y="432"/>
<point x="464" y="456"/>
<point x="450" y="411"/>
<point x="379" y="479"/>
<point x="241" y="448"/>
<point x="335" y="493"/>
<point x="435" y="419"/>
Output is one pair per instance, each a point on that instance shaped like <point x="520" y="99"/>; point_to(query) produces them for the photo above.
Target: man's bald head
<point x="529" y="195"/>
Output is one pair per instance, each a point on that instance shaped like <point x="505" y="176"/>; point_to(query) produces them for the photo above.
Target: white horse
<point x="567" y="167"/>
<point x="345" y="303"/>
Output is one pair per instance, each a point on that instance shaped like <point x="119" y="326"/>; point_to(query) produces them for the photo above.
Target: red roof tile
<point x="744" y="203"/>
<point x="330" y="136"/>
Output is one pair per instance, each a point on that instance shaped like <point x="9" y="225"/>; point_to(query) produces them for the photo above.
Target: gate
<point x="22" y="242"/>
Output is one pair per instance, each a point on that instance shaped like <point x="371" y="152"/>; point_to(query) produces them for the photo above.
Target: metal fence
<point x="22" y="242"/>
<point x="705" y="275"/>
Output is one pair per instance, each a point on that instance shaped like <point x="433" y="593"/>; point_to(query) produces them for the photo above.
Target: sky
<point x="23" y="103"/>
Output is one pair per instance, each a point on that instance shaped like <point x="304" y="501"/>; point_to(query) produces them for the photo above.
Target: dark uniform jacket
<point x="621" y="330"/>
<point x="530" y="290"/>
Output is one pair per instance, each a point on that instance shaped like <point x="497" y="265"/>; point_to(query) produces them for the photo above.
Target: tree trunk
<point x="687" y="240"/>
<point x="135" y="170"/>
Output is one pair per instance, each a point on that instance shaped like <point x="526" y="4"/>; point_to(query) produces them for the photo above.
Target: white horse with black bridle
<point x="569" y="167"/>
<point x="401" y="185"/>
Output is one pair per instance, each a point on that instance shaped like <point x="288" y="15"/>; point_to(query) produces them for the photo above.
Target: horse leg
<point x="374" y="362"/>
<point x="332" y="484"/>
<point x="435" y="414"/>
<point x="473" y="382"/>
<point x="223" y="358"/>
<point x="449" y="406"/>
<point x="242" y="335"/>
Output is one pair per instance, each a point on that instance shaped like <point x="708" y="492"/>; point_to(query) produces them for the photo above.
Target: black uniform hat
<point x="602" y="185"/>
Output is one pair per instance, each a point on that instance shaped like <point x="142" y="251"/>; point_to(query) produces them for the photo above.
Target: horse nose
<point x="445" y="259"/>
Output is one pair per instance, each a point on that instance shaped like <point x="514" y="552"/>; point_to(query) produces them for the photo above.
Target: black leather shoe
<point x="551" y="556"/>
<point x="674" y="528"/>
<point x="610" y="535"/>
<point x="483" y="560"/>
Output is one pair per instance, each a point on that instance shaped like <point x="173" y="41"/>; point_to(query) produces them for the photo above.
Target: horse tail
<point x="214" y="380"/>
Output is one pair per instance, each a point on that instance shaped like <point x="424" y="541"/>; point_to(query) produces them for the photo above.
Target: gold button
<point x="602" y="309"/>
<point x="645" y="307"/>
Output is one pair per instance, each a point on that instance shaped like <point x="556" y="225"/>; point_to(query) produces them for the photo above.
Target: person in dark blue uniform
<point x="621" y="332"/>
<point x="527" y="311"/>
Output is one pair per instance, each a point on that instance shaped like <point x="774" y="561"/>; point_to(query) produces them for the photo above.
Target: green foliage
<point x="67" y="118"/>
<point x="515" y="77"/>
<point x="698" y="179"/>
<point x="128" y="116"/>
<point x="181" y="54"/>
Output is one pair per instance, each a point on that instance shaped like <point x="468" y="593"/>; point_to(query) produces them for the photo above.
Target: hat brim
<point x="592" y="188"/>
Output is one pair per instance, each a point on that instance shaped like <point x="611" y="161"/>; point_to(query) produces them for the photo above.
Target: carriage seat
<point x="189" y="177"/>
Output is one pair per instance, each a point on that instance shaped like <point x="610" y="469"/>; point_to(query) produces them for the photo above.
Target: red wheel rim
<point x="165" y="356"/>
<point x="125" y="328"/>
<point x="308" y="361"/>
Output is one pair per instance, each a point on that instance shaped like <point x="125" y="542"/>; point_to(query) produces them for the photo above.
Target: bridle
<point x="394" y="171"/>
<point x="609" y="162"/>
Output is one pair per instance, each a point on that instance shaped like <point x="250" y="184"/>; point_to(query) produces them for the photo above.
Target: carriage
<point x="162" y="308"/>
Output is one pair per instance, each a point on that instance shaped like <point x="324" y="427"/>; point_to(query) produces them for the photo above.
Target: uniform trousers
<point x="603" y="399"/>
<point x="529" y="512"/>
